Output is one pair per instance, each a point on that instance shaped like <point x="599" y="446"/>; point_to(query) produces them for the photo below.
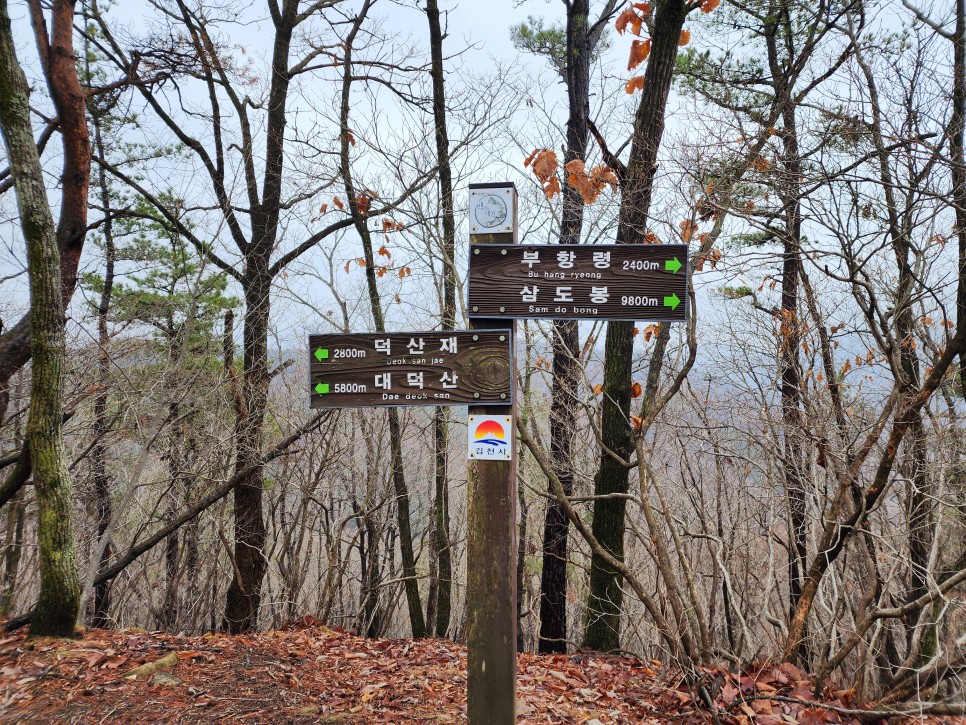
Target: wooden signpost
<point x="475" y="368"/>
<point x="636" y="282"/>
<point x="491" y="538"/>
<point x="410" y="368"/>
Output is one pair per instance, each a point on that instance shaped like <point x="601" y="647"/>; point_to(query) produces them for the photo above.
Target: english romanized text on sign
<point x="646" y="282"/>
<point x="410" y="368"/>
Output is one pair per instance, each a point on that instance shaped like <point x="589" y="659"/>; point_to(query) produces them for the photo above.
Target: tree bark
<point x="566" y="347"/>
<point x="606" y="595"/>
<point x="59" y="598"/>
<point x="102" y="482"/>
<point x="58" y="62"/>
<point x="440" y="602"/>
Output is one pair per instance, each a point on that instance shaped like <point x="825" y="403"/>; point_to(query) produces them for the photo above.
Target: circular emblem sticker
<point x="490" y="211"/>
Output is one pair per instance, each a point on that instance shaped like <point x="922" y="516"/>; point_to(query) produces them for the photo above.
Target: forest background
<point x="779" y="478"/>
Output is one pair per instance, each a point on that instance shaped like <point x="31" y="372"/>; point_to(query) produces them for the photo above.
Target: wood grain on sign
<point x="410" y="368"/>
<point x="637" y="282"/>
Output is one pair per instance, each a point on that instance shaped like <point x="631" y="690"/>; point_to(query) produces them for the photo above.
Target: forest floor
<point x="311" y="674"/>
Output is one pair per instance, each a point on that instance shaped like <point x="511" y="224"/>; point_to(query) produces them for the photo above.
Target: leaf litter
<point x="309" y="673"/>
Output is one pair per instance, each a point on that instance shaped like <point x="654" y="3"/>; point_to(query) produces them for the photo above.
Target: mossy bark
<point x="56" y="609"/>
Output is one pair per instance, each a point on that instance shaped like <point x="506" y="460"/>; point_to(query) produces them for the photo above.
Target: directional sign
<point x="410" y="368"/>
<point x="646" y="282"/>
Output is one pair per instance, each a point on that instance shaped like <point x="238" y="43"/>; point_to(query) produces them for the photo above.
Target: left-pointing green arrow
<point x="322" y="388"/>
<point x="672" y="265"/>
<point x="673" y="301"/>
<point x="321" y="354"/>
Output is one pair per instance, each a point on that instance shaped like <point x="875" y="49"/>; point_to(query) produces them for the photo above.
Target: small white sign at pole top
<point x="490" y="438"/>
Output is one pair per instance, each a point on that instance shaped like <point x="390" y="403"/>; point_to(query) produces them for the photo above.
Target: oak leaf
<point x="544" y="165"/>
<point x="338" y="202"/>
<point x="687" y="229"/>
<point x="685" y="38"/>
<point x="631" y="18"/>
<point x="636" y="389"/>
<point x="634" y="84"/>
<point x="640" y="49"/>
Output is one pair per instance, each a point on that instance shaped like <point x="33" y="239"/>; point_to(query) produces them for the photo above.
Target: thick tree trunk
<point x="57" y="604"/>
<point x="605" y="597"/>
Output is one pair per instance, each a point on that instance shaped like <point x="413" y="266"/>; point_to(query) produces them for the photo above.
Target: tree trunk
<point x="57" y="604"/>
<point x="605" y="597"/>
<point x="566" y="347"/>
<point x="58" y="62"/>
<point x="102" y="482"/>
<point x="789" y="340"/>
<point x="403" y="521"/>
<point x="442" y="553"/>
<point x="244" y="592"/>
<point x="957" y="140"/>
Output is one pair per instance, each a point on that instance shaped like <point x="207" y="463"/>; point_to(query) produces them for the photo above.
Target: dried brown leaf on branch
<point x="687" y="230"/>
<point x="544" y="165"/>
<point x="634" y="84"/>
<point x="589" y="185"/>
<point x="629" y="18"/>
<point x="640" y="49"/>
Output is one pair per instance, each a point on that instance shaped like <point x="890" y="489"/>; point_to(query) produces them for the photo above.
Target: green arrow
<point x="321" y="354"/>
<point x="672" y="301"/>
<point x="672" y="265"/>
<point x="322" y="388"/>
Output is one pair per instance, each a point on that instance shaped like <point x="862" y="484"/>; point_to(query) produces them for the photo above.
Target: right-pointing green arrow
<point x="672" y="266"/>
<point x="672" y="301"/>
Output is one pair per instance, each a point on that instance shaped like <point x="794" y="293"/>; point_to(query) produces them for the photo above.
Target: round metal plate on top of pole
<point x="491" y="540"/>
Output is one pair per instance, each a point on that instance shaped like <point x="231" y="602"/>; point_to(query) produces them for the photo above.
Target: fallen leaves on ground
<point x="309" y="673"/>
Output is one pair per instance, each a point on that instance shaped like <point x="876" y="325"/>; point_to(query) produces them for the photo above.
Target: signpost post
<point x="491" y="589"/>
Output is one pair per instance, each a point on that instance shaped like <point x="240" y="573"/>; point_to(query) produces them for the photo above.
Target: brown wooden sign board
<point x="410" y="368"/>
<point x="637" y="282"/>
